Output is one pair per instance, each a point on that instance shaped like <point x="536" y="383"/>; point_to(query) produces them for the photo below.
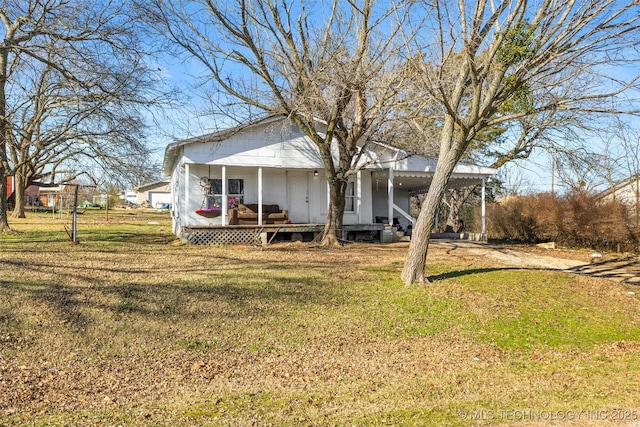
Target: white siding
<point x="176" y="193"/>
<point x="267" y="146"/>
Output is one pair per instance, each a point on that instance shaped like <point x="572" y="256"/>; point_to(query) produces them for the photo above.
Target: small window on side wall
<point x="350" y="197"/>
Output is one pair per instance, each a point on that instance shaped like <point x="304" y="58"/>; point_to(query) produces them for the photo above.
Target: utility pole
<point x="553" y="167"/>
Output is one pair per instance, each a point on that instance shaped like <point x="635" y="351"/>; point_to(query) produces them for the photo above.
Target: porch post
<point x="390" y="197"/>
<point x="225" y="196"/>
<point x="259" y="195"/>
<point x="187" y="173"/>
<point x="484" y="213"/>
<point x="359" y="195"/>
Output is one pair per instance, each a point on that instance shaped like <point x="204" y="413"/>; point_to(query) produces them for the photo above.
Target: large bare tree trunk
<point x="4" y="132"/>
<point x="333" y="225"/>
<point x="4" y="223"/>
<point x="18" y="208"/>
<point x="413" y="271"/>
<point x="21" y="184"/>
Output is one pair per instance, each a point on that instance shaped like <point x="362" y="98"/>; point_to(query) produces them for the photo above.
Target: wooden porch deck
<point x="267" y="233"/>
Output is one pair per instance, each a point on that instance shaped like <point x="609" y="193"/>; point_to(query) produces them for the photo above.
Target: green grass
<point x="127" y="328"/>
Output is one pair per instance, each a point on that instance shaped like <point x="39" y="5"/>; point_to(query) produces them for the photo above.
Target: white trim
<point x="404" y="214"/>
<point x="187" y="174"/>
<point x="358" y="195"/>
<point x="259" y="195"/>
<point x="225" y="195"/>
<point x="326" y="212"/>
<point x="390" y="197"/>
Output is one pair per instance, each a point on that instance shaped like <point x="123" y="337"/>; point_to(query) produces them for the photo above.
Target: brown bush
<point x="575" y="220"/>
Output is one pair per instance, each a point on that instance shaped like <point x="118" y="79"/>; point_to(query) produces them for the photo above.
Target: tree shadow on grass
<point x="626" y="270"/>
<point x="472" y="271"/>
<point x="72" y="300"/>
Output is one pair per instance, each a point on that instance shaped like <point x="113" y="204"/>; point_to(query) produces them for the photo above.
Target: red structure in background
<point x="10" y="186"/>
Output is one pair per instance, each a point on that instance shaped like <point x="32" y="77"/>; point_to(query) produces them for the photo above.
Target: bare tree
<point x="515" y="59"/>
<point x="72" y="81"/>
<point x="329" y="68"/>
<point x="579" y="171"/>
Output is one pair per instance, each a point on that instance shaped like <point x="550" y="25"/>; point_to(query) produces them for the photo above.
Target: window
<point x="350" y="197"/>
<point x="235" y="192"/>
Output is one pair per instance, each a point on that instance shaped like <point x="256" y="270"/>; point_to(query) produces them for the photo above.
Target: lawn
<point x="129" y="328"/>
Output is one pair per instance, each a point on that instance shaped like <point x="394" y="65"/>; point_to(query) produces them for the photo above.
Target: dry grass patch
<point x="125" y="329"/>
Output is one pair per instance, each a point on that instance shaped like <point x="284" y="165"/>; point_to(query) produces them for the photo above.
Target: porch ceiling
<point x="420" y="181"/>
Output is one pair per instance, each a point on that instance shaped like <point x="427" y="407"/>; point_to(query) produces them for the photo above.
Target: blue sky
<point x="530" y="175"/>
<point x="191" y="119"/>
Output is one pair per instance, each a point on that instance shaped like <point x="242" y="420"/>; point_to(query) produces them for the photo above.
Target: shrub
<point x="577" y="219"/>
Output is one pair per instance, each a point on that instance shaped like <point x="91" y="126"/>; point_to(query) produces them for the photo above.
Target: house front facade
<point x="271" y="162"/>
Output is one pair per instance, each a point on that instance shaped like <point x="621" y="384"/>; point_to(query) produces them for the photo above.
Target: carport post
<point x="484" y="213"/>
<point x="74" y="228"/>
<point x="390" y="196"/>
<point x="260" y="195"/>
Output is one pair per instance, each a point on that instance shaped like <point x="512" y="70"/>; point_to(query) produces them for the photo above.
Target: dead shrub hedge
<point x="579" y="220"/>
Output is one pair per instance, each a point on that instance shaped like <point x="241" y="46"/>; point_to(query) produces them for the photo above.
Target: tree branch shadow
<point x="472" y="271"/>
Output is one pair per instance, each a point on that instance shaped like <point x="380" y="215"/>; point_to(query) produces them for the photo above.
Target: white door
<point x="298" y="197"/>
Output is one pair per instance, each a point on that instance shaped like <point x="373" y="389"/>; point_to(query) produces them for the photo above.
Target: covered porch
<point x="375" y="197"/>
<point x="393" y="191"/>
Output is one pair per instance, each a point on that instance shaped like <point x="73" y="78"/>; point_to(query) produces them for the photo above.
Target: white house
<point x="271" y="161"/>
<point x="626" y="192"/>
<point x="156" y="194"/>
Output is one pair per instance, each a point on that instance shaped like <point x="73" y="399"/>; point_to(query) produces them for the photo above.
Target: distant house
<point x="271" y="165"/>
<point x="155" y="194"/>
<point x="130" y="198"/>
<point x="34" y="196"/>
<point x="627" y="192"/>
<point x="10" y="185"/>
<point x="10" y="189"/>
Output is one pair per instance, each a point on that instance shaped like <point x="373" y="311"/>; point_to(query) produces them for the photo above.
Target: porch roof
<point x="419" y="182"/>
<point x="415" y="173"/>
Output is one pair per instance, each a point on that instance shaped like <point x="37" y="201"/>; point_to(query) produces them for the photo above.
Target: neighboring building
<point x="10" y="189"/>
<point x="35" y="194"/>
<point x="271" y="162"/>
<point x="10" y="186"/>
<point x="130" y="198"/>
<point x="627" y="192"/>
<point x="155" y="194"/>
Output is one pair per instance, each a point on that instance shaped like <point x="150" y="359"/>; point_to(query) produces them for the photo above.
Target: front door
<point x="298" y="197"/>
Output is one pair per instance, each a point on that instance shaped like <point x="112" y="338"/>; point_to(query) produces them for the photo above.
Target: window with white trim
<point x="350" y="197"/>
<point x="235" y="192"/>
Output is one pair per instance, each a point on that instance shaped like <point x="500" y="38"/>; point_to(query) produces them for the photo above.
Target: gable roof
<point x="379" y="155"/>
<point x="152" y="185"/>
<point x="172" y="149"/>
